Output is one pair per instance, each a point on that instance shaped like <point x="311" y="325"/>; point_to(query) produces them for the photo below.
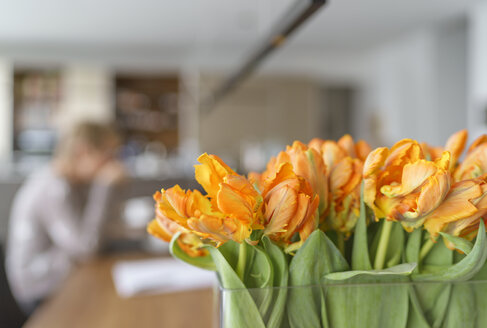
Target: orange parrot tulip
<point x="345" y="180"/>
<point x="230" y="211"/>
<point x="461" y="211"/>
<point x="290" y="206"/>
<point x="344" y="160"/>
<point x="335" y="151"/>
<point x="400" y="185"/>
<point x="306" y="163"/>
<point x="163" y="228"/>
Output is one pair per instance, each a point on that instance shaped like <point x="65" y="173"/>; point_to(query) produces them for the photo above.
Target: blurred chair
<point x="10" y="314"/>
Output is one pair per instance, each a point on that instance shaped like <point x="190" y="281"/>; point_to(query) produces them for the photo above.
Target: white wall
<point x="415" y="87"/>
<point x="6" y="104"/>
<point x="398" y="93"/>
<point x="477" y="68"/>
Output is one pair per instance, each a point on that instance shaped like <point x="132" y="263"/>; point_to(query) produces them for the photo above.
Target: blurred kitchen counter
<point x="88" y="299"/>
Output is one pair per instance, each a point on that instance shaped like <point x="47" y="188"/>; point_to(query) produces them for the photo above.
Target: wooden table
<point x="88" y="299"/>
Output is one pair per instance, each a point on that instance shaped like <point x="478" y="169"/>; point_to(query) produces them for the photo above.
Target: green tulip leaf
<point x="396" y="245"/>
<point x="360" y="250"/>
<point x="434" y="297"/>
<point x="480" y="291"/>
<point x="404" y="269"/>
<point x="369" y="300"/>
<point x="203" y="262"/>
<point x="460" y="243"/>
<point x="281" y="274"/>
<point x="462" y="309"/>
<point x="416" y="318"/>
<point x="413" y="246"/>
<point x="230" y="251"/>
<point x="259" y="277"/>
<point x="236" y="296"/>
<point x="466" y="268"/>
<point x="317" y="257"/>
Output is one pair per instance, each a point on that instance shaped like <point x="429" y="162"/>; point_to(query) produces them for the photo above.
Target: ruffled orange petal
<point x="177" y="198"/>
<point x="341" y="175"/>
<point x="155" y="229"/>
<point x="219" y="229"/>
<point x="413" y="176"/>
<point x="457" y="205"/>
<point x="474" y="165"/>
<point x="455" y="145"/>
<point x="477" y="142"/>
<point x="316" y="144"/>
<point x="362" y="149"/>
<point x="310" y="222"/>
<point x="347" y="144"/>
<point x="332" y="153"/>
<point x="375" y="161"/>
<point x="210" y="173"/>
<point x="280" y="209"/>
<point x="233" y="203"/>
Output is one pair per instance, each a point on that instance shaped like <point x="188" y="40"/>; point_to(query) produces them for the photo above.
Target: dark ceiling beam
<point x="299" y="13"/>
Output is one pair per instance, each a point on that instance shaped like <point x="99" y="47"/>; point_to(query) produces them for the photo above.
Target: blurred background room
<point x="161" y="73"/>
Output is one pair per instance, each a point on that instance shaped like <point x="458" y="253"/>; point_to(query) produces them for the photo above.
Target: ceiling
<point x="176" y="32"/>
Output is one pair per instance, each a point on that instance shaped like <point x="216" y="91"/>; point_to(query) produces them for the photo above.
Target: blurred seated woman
<point x="58" y="213"/>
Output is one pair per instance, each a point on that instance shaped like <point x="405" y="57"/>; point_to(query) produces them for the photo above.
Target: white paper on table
<point x="158" y="276"/>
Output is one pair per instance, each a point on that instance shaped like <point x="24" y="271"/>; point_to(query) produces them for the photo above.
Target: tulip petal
<point x="375" y="161"/>
<point x="332" y="153"/>
<point x="456" y="205"/>
<point x="413" y="176"/>
<point x="165" y="210"/>
<point x="346" y="143"/>
<point x="340" y="175"/>
<point x="231" y="202"/>
<point x="455" y="145"/>
<point x="155" y="229"/>
<point x="477" y="142"/>
<point x="310" y="223"/>
<point x="177" y="198"/>
<point x="210" y="173"/>
<point x="219" y="229"/>
<point x="362" y="149"/>
<point x="299" y="218"/>
<point x="280" y="209"/>
<point x="433" y="193"/>
<point x="474" y="165"/>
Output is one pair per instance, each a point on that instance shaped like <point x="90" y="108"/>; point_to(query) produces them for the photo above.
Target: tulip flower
<point x="193" y="212"/>
<point x="344" y="160"/>
<point x="461" y="211"/>
<point x="163" y="228"/>
<point x="290" y="206"/>
<point x="475" y="163"/>
<point x="230" y="211"/>
<point x="306" y="163"/>
<point x="400" y="185"/>
<point x="333" y="152"/>
<point x="345" y="180"/>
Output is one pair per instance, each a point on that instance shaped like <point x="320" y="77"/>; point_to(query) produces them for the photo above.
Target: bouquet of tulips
<point x="352" y="237"/>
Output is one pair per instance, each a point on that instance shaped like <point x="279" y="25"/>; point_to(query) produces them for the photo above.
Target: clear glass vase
<point x="379" y="304"/>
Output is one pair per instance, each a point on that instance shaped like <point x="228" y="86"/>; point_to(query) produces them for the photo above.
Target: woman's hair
<point x="98" y="136"/>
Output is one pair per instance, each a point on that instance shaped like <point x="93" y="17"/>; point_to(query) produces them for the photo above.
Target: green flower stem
<point x="341" y="242"/>
<point x="380" y="256"/>
<point x="242" y="259"/>
<point x="426" y="248"/>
